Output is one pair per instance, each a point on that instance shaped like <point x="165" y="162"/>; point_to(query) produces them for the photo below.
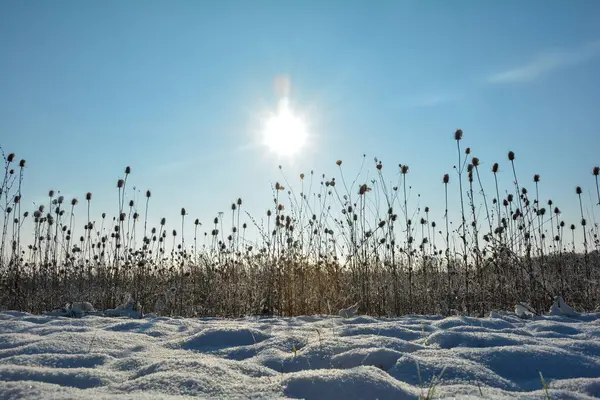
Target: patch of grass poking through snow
<point x="426" y="341"/>
<point x="432" y="385"/>
<point x="545" y="386"/>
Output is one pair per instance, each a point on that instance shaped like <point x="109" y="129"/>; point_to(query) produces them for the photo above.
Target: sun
<point x="285" y="133"/>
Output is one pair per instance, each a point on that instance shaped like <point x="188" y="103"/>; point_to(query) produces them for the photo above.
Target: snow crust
<point x="326" y="357"/>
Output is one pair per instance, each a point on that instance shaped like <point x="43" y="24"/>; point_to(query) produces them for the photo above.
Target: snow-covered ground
<point x="304" y="357"/>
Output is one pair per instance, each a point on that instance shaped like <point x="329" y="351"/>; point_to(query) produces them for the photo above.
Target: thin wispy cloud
<point x="547" y="63"/>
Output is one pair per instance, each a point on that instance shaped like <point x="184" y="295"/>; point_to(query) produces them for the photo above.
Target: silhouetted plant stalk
<point x="458" y="137"/>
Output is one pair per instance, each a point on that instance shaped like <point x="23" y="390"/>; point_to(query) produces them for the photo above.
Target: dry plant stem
<point x="463" y="224"/>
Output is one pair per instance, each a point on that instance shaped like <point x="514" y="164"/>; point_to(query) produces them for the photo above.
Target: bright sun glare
<point x="285" y="133"/>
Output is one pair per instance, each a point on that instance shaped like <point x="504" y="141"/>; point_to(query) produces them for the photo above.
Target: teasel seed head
<point x="578" y="190"/>
<point x="22" y="163"/>
<point x="404" y="169"/>
<point x="458" y="134"/>
<point x="511" y="156"/>
<point x="127" y="170"/>
<point x="446" y="179"/>
<point x="74" y="202"/>
<point x="88" y="196"/>
<point x="239" y="201"/>
<point x="536" y="178"/>
<point x="148" y="194"/>
<point x="183" y="212"/>
<point x="495" y="168"/>
<point x="339" y="162"/>
<point x="596" y="171"/>
<point x="10" y="157"/>
<point x="163" y="221"/>
<point x="130" y="203"/>
<point x="120" y="183"/>
<point x="60" y="199"/>
<point x="475" y="162"/>
<point x="468" y="151"/>
<point x="51" y="193"/>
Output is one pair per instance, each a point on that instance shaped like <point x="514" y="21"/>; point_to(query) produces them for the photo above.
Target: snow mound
<point x="349" y="312"/>
<point x="363" y="357"/>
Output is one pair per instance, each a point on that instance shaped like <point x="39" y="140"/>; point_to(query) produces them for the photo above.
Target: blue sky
<point x="177" y="90"/>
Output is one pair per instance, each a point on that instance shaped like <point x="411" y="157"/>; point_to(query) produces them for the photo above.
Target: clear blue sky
<point x="176" y="89"/>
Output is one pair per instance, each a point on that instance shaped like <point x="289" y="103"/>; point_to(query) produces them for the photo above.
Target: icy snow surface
<point x="304" y="357"/>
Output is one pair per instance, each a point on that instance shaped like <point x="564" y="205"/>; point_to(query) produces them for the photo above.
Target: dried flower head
<point x="22" y="163"/>
<point x="536" y="178"/>
<point x="458" y="134"/>
<point x="475" y="162"/>
<point x="495" y="168"/>
<point x="511" y="156"/>
<point x="301" y="176"/>
<point x="10" y="157"/>
<point x="88" y="196"/>
<point x="120" y="183"/>
<point x="60" y="199"/>
<point x="578" y="190"/>
<point x="339" y="162"/>
<point x="468" y="151"/>
<point x="183" y="212"/>
<point x="233" y="207"/>
<point x="239" y="201"/>
<point x="130" y="203"/>
<point x="148" y="194"/>
<point x="51" y="193"/>
<point x="74" y="202"/>
<point x="596" y="171"/>
<point x="446" y="178"/>
<point x="163" y="221"/>
<point x="363" y="189"/>
<point x="127" y="170"/>
<point x="404" y="169"/>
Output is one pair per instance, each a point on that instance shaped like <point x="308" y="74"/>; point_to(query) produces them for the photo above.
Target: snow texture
<point x="326" y="357"/>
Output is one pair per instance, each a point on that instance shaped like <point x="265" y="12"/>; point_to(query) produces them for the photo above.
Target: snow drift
<point x="355" y="357"/>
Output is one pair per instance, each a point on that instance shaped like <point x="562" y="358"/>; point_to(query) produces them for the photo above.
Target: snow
<point x="354" y="357"/>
